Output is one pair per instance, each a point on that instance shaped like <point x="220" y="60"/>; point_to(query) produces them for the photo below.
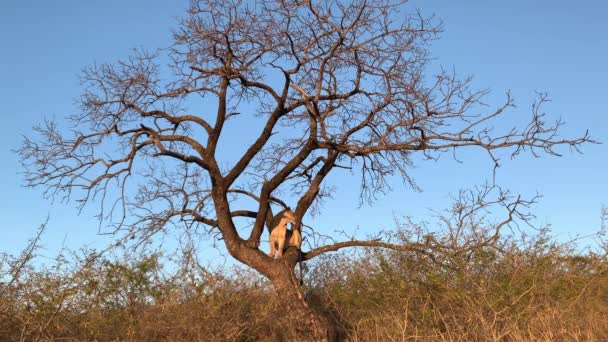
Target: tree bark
<point x="307" y="324"/>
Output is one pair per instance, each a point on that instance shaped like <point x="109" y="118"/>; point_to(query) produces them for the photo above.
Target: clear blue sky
<point x="521" y="45"/>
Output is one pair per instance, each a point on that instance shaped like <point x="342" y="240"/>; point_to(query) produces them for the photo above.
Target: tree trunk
<point x="301" y="322"/>
<point x="307" y="324"/>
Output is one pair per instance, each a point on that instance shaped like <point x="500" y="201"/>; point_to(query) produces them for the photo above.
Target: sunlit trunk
<point x="305" y="322"/>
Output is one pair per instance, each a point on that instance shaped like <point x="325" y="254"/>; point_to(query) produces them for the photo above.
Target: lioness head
<point x="289" y="216"/>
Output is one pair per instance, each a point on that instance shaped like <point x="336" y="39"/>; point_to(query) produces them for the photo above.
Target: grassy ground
<point x="526" y="290"/>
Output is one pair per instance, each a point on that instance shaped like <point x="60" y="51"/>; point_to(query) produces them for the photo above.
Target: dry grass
<point x="532" y="290"/>
<point x="537" y="292"/>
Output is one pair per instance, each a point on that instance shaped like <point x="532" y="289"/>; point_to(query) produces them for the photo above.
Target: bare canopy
<point x="332" y="84"/>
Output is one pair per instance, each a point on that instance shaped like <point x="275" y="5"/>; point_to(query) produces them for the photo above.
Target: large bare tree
<point x="331" y="84"/>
